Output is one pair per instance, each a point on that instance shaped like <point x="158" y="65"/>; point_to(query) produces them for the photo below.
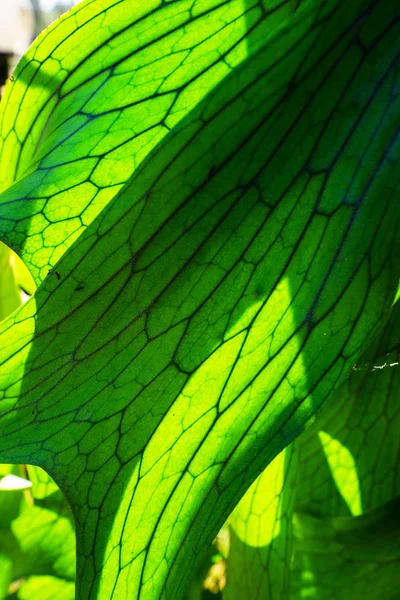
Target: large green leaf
<point x="202" y="318"/>
<point x="93" y="96"/>
<point x="348" y="464"/>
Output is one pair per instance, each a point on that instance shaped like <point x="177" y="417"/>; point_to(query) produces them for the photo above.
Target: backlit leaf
<point x="96" y="93"/>
<point x="348" y="465"/>
<point x="201" y="319"/>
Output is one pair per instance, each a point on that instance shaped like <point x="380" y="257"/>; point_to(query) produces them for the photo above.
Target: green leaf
<point x="363" y="420"/>
<point x="261" y="534"/>
<point x="46" y="588"/>
<point x="356" y="557"/>
<point x="96" y="93"/>
<point x="47" y="539"/>
<point x="43" y="484"/>
<point x="5" y="575"/>
<point x="37" y="537"/>
<point x="347" y="465"/>
<point x="348" y="557"/>
<point x="209" y="310"/>
<point x="15" y="281"/>
<point x="9" y="294"/>
<point x="32" y="538"/>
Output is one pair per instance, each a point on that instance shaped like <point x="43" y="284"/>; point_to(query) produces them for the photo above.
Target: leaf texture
<point x="201" y="319"/>
<point x="95" y="93"/>
<point x="327" y="553"/>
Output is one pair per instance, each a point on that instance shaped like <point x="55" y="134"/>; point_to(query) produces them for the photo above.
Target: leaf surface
<point x="364" y="421"/>
<point x="261" y="539"/>
<point x="209" y="310"/>
<point x="347" y="464"/>
<point x="348" y="557"/>
<point x="35" y="537"/>
<point x="96" y="93"/>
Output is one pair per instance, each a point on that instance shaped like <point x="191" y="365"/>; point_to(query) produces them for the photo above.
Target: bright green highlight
<point x="257" y="518"/>
<point x="344" y="471"/>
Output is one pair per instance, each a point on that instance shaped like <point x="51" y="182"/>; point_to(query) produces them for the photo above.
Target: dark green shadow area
<point x="362" y="423"/>
<point x="349" y="467"/>
<point x="358" y="556"/>
<point x="199" y="322"/>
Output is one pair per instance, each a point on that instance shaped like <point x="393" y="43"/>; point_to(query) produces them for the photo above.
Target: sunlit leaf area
<point x="199" y="303"/>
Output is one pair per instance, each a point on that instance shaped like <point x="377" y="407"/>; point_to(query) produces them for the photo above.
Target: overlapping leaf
<point x="37" y="541"/>
<point x="337" y="554"/>
<point x="348" y="557"/>
<point x="93" y="96"/>
<point x="261" y="540"/>
<point x="201" y="319"/>
<point x="348" y="464"/>
<point x="361" y="429"/>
